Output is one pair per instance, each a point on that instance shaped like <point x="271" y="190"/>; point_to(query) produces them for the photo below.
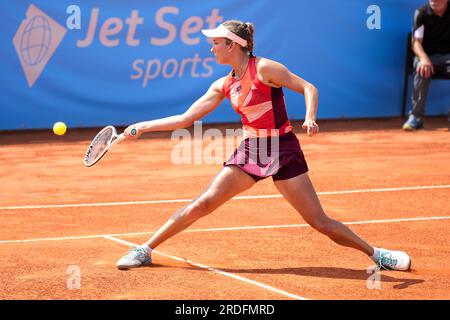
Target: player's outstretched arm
<point x="200" y="108"/>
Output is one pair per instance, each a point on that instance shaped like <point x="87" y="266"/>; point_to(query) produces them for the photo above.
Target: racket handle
<point x="121" y="137"/>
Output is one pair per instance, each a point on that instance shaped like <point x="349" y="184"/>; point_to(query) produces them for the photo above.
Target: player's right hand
<point x="132" y="132"/>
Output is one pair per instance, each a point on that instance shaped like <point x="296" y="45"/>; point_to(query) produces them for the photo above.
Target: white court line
<point x="221" y="229"/>
<point x="214" y="270"/>
<point x="269" y="196"/>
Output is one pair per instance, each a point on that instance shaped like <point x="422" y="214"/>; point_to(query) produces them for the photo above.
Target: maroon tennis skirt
<point x="277" y="157"/>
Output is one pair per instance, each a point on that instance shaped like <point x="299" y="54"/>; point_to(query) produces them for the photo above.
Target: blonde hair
<point x="243" y="30"/>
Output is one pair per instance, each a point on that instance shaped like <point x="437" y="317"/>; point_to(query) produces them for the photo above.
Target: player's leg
<point x="300" y="193"/>
<point x="229" y="182"/>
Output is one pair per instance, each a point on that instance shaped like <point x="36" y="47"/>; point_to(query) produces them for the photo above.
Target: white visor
<point x="222" y="32"/>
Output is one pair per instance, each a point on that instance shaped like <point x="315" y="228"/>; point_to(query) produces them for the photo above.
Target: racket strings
<point x="98" y="146"/>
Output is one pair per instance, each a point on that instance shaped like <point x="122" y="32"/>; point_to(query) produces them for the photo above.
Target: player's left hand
<point x="311" y="127"/>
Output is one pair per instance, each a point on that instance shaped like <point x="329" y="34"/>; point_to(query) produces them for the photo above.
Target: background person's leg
<point x="442" y="64"/>
<point x="418" y="99"/>
<point x="420" y="92"/>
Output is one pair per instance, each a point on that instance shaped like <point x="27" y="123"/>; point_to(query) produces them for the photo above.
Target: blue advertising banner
<point x="132" y="61"/>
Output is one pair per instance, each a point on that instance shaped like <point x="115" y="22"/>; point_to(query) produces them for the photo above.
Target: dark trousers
<point x="441" y="63"/>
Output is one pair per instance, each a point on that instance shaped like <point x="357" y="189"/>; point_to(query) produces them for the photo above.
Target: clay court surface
<point x="390" y="186"/>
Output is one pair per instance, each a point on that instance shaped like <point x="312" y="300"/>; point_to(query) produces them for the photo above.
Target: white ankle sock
<point x="375" y="254"/>
<point x="147" y="248"/>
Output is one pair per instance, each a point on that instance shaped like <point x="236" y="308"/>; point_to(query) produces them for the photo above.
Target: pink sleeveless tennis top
<point x="262" y="108"/>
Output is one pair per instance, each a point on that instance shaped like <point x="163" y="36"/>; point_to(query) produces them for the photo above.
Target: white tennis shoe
<point x="136" y="257"/>
<point x="392" y="260"/>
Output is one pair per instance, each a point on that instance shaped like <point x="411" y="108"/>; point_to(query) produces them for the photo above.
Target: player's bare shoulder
<point x="266" y="68"/>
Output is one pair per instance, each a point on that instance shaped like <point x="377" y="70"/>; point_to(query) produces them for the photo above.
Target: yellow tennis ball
<point x="59" y="128"/>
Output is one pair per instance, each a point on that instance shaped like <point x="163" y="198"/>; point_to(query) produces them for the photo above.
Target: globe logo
<point x="35" y="40"/>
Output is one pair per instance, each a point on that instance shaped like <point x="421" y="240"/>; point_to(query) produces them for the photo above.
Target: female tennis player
<point x="254" y="88"/>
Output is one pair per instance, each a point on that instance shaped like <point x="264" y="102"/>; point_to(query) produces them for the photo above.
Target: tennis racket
<point x="105" y="139"/>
